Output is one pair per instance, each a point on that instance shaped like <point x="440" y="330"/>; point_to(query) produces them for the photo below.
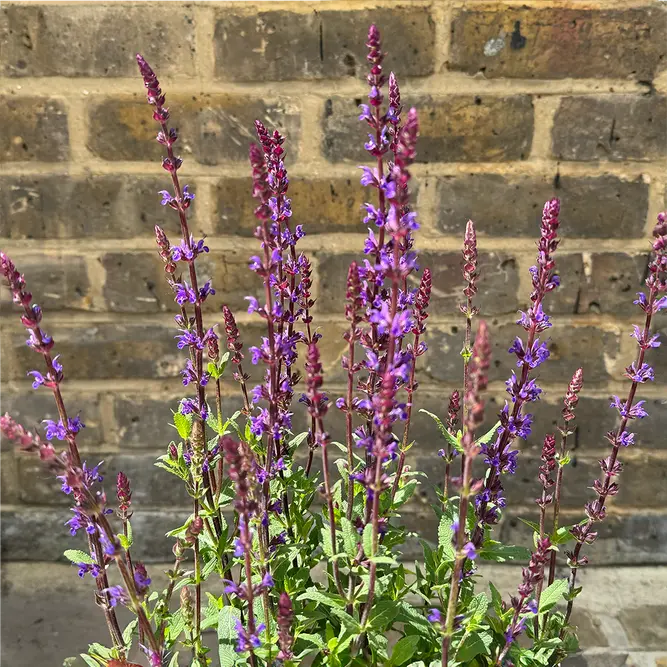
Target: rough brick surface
<point x="457" y="128"/>
<point x="613" y="127"/>
<point x="214" y="129"/>
<point x="322" y="205"/>
<point x="64" y="279"/>
<point x="498" y="294"/>
<point x="98" y="40"/>
<point x="281" y="45"/>
<point x="34" y="129"/>
<point x="49" y="206"/>
<point x="597" y="207"/>
<point x="558" y="42"/>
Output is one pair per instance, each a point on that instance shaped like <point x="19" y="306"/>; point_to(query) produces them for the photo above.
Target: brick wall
<point x="518" y="102"/>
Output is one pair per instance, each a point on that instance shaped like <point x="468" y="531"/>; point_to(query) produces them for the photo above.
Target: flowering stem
<point x="609" y="473"/>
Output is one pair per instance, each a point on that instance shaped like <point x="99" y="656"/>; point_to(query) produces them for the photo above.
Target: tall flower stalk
<point x="570" y="403"/>
<point x="638" y="372"/>
<point x="531" y="354"/>
<point x="480" y="360"/>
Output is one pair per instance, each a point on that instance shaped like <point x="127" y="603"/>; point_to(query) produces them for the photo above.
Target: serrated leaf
<point x="77" y="556"/>
<point x="454" y="442"/>
<point x="326" y="542"/>
<point x="227" y="636"/>
<point x="297" y="440"/>
<point x="405" y="493"/>
<point x="496" y="599"/>
<point x="174" y="660"/>
<point x="350" y="537"/>
<point x="553" y="594"/>
<point x="488" y="436"/>
<point x="127" y="633"/>
<point x="445" y="535"/>
<point x="531" y="524"/>
<point x="562" y="535"/>
<point x="503" y="552"/>
<point x="477" y="607"/>
<point x="404" y="650"/>
<point x="477" y="643"/>
<point x="183" y="424"/>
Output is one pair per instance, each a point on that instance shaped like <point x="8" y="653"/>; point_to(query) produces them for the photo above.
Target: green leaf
<point x="384" y="612"/>
<point x="326" y="542"/>
<point x="227" y="636"/>
<point x="488" y="436"/>
<point x="551" y="596"/>
<point x="532" y="524"/>
<point x="129" y="630"/>
<point x="496" y="599"/>
<point x="174" y="660"/>
<point x="477" y="607"/>
<point x="454" y="442"/>
<point x="76" y="556"/>
<point x="350" y="537"/>
<point x="404" y="650"/>
<point x="478" y="643"/>
<point x="445" y="535"/>
<point x="183" y="424"/>
<point x="562" y="535"/>
<point x="503" y="552"/>
<point x="405" y="493"/>
<point x="91" y="662"/>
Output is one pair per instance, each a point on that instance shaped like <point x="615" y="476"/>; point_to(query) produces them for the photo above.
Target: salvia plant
<point x="299" y="536"/>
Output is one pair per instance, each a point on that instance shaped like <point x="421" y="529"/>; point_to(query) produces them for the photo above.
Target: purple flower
<point x="469" y="551"/>
<point x="627" y="438"/>
<point x="117" y="595"/>
<point x="369" y="177"/>
<point x="434" y="616"/>
<point x="247" y="641"/>
<point x="643" y="374"/>
<point x="635" y="412"/>
<point x="38" y="379"/>
<point x="166" y="197"/>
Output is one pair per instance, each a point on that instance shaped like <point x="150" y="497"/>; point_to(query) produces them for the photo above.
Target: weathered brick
<point x="136" y="282"/>
<point x="323" y="205"/>
<point x="9" y="479"/>
<point x="212" y="128"/>
<point x="151" y="486"/>
<point x="456" y="128"/>
<point x="594" y="419"/>
<point x="497" y="288"/>
<point x="634" y="539"/>
<point x="144" y="422"/>
<point x="281" y="45"/>
<point x="30" y="408"/>
<point x="570" y="346"/>
<point x="639" y="624"/>
<point x="104" y="350"/>
<point x="34" y="129"/>
<point x="612" y="127"/>
<point x="58" y="282"/>
<point x="592" y="207"/>
<point x="64" y="207"/>
<point x="42" y="40"/>
<point x="599" y="283"/>
<point x="643" y="483"/>
<point x="37" y="534"/>
<point x="558" y="42"/>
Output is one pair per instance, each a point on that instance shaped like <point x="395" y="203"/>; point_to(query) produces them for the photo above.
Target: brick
<point x="136" y="282"/>
<point x="643" y="483"/>
<point x="599" y="283"/>
<point x="497" y="293"/>
<point x="283" y="45"/>
<point x="96" y="41"/>
<point x="558" y="42"/>
<point x="612" y="127"/>
<point x="48" y="207"/>
<point x="456" y="128"/>
<point x="595" y="418"/>
<point x="103" y="350"/>
<point x="151" y="486"/>
<point x="9" y="479"/>
<point x="640" y="626"/>
<point x="636" y="539"/>
<point x="595" y="658"/>
<point x="592" y="207"/>
<point x="59" y="282"/>
<point x="589" y="628"/>
<point x="144" y="422"/>
<point x="37" y="534"/>
<point x="30" y="408"/>
<point x="34" y="130"/>
<point x="323" y="205"/>
<point x="213" y="128"/>
<point x="570" y="346"/>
